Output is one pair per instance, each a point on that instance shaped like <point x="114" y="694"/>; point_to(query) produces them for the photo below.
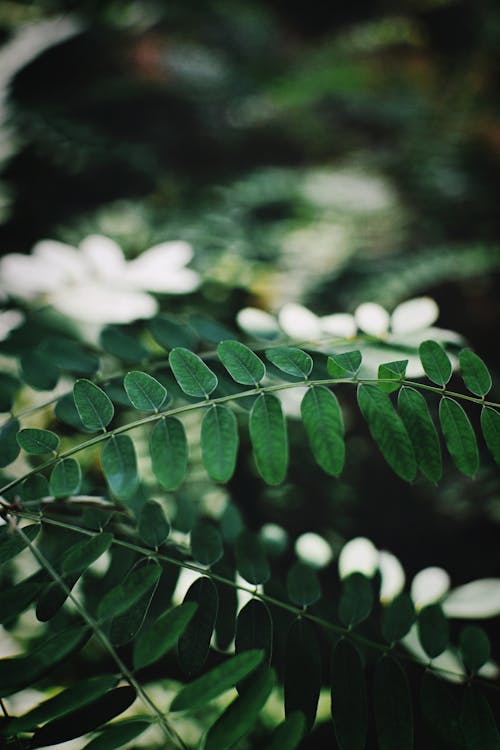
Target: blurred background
<point x="327" y="154"/>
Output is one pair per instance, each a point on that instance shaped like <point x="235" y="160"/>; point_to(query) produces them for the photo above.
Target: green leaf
<point x="153" y="525"/>
<point x="216" y="681"/>
<point x="16" y="599"/>
<point x="34" y="487"/>
<point x="119" y="466"/>
<point x="478" y="724"/>
<point x="80" y="556"/>
<point x="66" y="412"/>
<point x="52" y="599"/>
<point x="302" y="680"/>
<point x="490" y="425"/>
<point x="12" y="543"/>
<point x="288" y="734"/>
<point x="397" y="618"/>
<point x="387" y="430"/>
<point x="65" y="702"/>
<point x="118" y="734"/>
<point x="122" y="597"/>
<point x="9" y="447"/>
<point x="144" y="391"/>
<point x="9" y="385"/>
<point x="324" y="426"/>
<point x="119" y="343"/>
<point x="302" y="585"/>
<point x="433" y="630"/>
<point x="413" y="411"/>
<point x="86" y="718"/>
<point x="194" y="643"/>
<point x="241" y="363"/>
<point x="435" y="362"/>
<point x="474" y="648"/>
<point x="192" y="374"/>
<point x="269" y="438"/>
<point x="69" y="356"/>
<point x="344" y="365"/>
<point x="169" y="452"/>
<point x="239" y="718"/>
<point x="170" y="334"/>
<point x="160" y="637"/>
<point x="65" y="478"/>
<point x="475" y="374"/>
<point x="441" y="710"/>
<point x="251" y="559"/>
<point x="348" y="692"/>
<point x="206" y="543"/>
<point x="392" y="371"/>
<point x="94" y="407"/>
<point x="38" y="371"/>
<point x="219" y="442"/>
<point x="126" y="626"/>
<point x="392" y="705"/>
<point x="459" y="436"/>
<point x="254" y="628"/>
<point x="38" y="442"/>
<point x="209" y="329"/>
<point x="356" y="599"/>
<point x="291" y="360"/>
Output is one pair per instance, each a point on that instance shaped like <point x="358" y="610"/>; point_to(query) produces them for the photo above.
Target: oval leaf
<point x="118" y="734"/>
<point x="349" y="705"/>
<point x="206" y="543"/>
<point x="219" y="442"/>
<point x="169" y="333"/>
<point x="397" y="618"/>
<point x="12" y="543"/>
<point x="490" y="425"/>
<point x="94" y="407"/>
<point x="16" y="599"/>
<point x="192" y="374"/>
<point x="38" y="442"/>
<point x="251" y="559"/>
<point x="9" y="447"/>
<point x="242" y="364"/>
<point x="144" y="391"/>
<point x="392" y="705"/>
<point x="269" y="438"/>
<point x="395" y="371"/>
<point x="65" y="478"/>
<point x="169" y="452"/>
<point x="324" y="426"/>
<point x="344" y="365"/>
<point x="433" y="630"/>
<point x="119" y="466"/>
<point x="162" y="635"/>
<point x="254" y="628"/>
<point x="119" y="343"/>
<point x="153" y="525"/>
<point x="302" y="585"/>
<point x="34" y="487"/>
<point x="413" y="411"/>
<point x="81" y="555"/>
<point x="194" y="643"/>
<point x="125" y="626"/>
<point x="289" y="733"/>
<point x="435" y="362"/>
<point x="459" y="436"/>
<point x="121" y="598"/>
<point x="474" y="648"/>
<point x="356" y="599"/>
<point x="291" y="360"/>
<point x="38" y="371"/>
<point x="302" y="680"/>
<point x="475" y="374"/>
<point x="478" y="725"/>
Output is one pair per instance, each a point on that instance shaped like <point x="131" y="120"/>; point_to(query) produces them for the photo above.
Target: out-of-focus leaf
<point x="254" y="628"/>
<point x="69" y="356"/>
<point x="8" y="388"/>
<point x="16" y="599"/>
<point x="392" y="705"/>
<point x="119" y="343"/>
<point x="474" y="648"/>
<point x="38" y="442"/>
<point x="206" y="543"/>
<point x="433" y="630"/>
<point x="34" y="487"/>
<point x="65" y="478"/>
<point x="478" y="725"/>
<point x="9" y="447"/>
<point x="170" y="334"/>
<point x="118" y="734"/>
<point x="81" y="555"/>
<point x="349" y="705"/>
<point x="251" y="559"/>
<point x="302" y="680"/>
<point x="302" y="585"/>
<point x="153" y="525"/>
<point x="119" y="466"/>
<point x="162" y="635"/>
<point x="194" y="643"/>
<point x="38" y="371"/>
<point x="440" y="709"/>
<point x="11" y="543"/>
<point x="356" y="599"/>
<point x="289" y="733"/>
<point x="397" y="618"/>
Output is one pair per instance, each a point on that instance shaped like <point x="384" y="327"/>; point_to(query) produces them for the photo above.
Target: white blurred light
<point x="358" y="556"/>
<point x="429" y="586"/>
<point x="414" y="315"/>
<point x="392" y="575"/>
<point x="452" y="667"/>
<point x="313" y="549"/>
<point x="372" y="318"/>
<point x="475" y="600"/>
<point x="9" y="320"/>
<point x="339" y="324"/>
<point x="275" y="538"/>
<point x="299" y="322"/>
<point x="257" y="322"/>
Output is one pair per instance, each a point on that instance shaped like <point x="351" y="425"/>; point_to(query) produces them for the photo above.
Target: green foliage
<point x="269" y="438"/>
<point x="145" y="392"/>
<point x="349" y="702"/>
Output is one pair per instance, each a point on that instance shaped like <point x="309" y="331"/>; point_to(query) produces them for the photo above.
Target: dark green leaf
<point x="209" y="330"/>
<point x="38" y="371"/>
<point x="269" y="438"/>
<point x="302" y="680"/>
<point x="478" y="725"/>
<point x="122" y="597"/>
<point x="433" y="630"/>
<point x="413" y="411"/>
<point x="225" y="625"/>
<point x="490" y="425"/>
<point x="69" y="356"/>
<point x="239" y="718"/>
<point x="344" y="365"/>
<point x="169" y="452"/>
<point x="356" y="599"/>
<point x="387" y="430"/>
<point x="9" y="447"/>
<point x="459" y="436"/>
<point x="302" y="585"/>
<point x="65" y="478"/>
<point x="441" y="710"/>
<point x="206" y="543"/>
<point x="125" y="626"/>
<point x="289" y="733"/>
<point x="251" y="559"/>
<point x="242" y="364"/>
<point x="217" y="681"/>
<point x="12" y="543"/>
<point x="118" y="734"/>
<point x="86" y="718"/>
<point x="435" y="362"/>
<point x="392" y="705"/>
<point x="169" y="333"/>
<point x="291" y="360"/>
<point x="93" y="405"/>
<point x="397" y="618"/>
<point x="254" y="628"/>
<point x="219" y="442"/>
<point x="194" y="643"/>
<point x="349" y="705"/>
<point x="119" y="343"/>
<point x="34" y="487"/>
<point x="192" y="374"/>
<point x="392" y="371"/>
<point x="52" y="598"/>
<point x="119" y="466"/>
<point x="324" y="426"/>
<point x="9" y="385"/>
<point x="66" y="411"/>
<point x="153" y="525"/>
<point x="163" y="634"/>
<point x="80" y="556"/>
<point x="474" y="647"/>
<point x="38" y="442"/>
<point x="16" y="599"/>
<point x="144" y="391"/>
<point x="474" y="372"/>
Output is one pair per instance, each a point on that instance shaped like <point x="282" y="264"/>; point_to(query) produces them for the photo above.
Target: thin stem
<point x="297" y="611"/>
<point x="223" y="399"/>
<point x="169" y="732"/>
